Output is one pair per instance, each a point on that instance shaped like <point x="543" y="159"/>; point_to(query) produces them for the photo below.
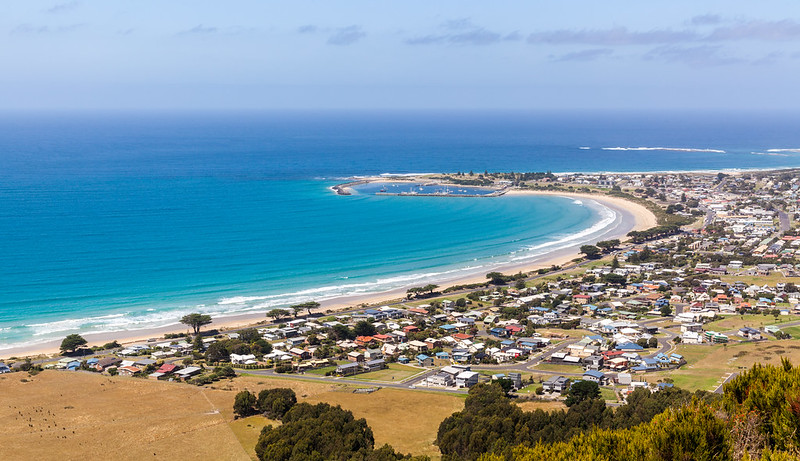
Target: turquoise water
<point x="116" y="222"/>
<point x="140" y="253"/>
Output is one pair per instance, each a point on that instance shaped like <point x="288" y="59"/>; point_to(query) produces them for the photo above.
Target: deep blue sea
<point x="113" y="222"/>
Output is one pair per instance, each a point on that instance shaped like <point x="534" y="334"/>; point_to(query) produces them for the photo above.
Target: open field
<point x="546" y="405"/>
<point x="608" y="394"/>
<point x="708" y="364"/>
<point x="67" y="415"/>
<point x="559" y="368"/>
<point x="395" y="372"/>
<point x="734" y="322"/>
<point x="576" y="333"/>
<point x="75" y="415"/>
<point x="759" y="280"/>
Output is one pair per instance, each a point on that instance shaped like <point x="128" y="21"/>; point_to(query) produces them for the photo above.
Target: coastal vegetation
<point x="72" y="343"/>
<point x="196" y="321"/>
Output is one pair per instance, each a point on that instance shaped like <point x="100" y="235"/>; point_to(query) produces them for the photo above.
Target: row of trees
<point x="490" y="423"/>
<point x="757" y="417"/>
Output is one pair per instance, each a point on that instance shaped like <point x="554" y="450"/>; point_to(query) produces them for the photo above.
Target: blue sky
<point x="410" y="54"/>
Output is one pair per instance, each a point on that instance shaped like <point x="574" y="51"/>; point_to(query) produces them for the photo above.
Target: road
<point x="785" y="222"/>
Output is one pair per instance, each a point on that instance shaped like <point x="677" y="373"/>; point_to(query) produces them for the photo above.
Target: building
<point x="556" y="384"/>
<point x="467" y="379"/>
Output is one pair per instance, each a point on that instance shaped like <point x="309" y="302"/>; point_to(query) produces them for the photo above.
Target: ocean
<point x="114" y="222"/>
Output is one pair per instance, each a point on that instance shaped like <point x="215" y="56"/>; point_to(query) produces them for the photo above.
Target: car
<point x="412" y="387"/>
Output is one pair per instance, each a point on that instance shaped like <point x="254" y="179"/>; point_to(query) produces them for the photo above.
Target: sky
<point x="393" y="54"/>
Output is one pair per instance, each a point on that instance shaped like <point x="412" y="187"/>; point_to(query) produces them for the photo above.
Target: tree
<point x="581" y="391"/>
<point x="249" y="335"/>
<point x="317" y="432"/>
<point x="275" y="403"/>
<point x="608" y="245"/>
<point x="614" y="263"/>
<point x="497" y="278"/>
<point x="364" y="328"/>
<point x="72" y="342"/>
<point x="308" y="305"/>
<point x="652" y="342"/>
<point x="614" y="279"/>
<point x="244" y="404"/>
<point x="341" y="332"/>
<point x="196" y="320"/>
<point x="591" y="251"/>
<point x="276" y="314"/>
<point x="666" y="310"/>
<point x="429" y="288"/>
<point x="218" y="352"/>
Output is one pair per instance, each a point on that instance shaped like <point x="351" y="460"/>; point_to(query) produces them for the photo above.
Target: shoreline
<point x="628" y="216"/>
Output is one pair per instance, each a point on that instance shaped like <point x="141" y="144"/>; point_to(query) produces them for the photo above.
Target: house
<point x="516" y="378"/>
<point x="593" y="362"/>
<point x="245" y="359"/>
<point x="374" y="365"/>
<point x="750" y="333"/>
<point x="167" y="368"/>
<point x="188" y="372"/>
<point x="128" y="370"/>
<point x="417" y="346"/>
<point x="595" y="376"/>
<point x="107" y="362"/>
<point x="300" y="353"/>
<point x="355" y="356"/>
<point x="347" y="369"/>
<point x="556" y="384"/>
<point x="467" y="379"/>
<point x="424" y="361"/>
<point x="441" y="379"/>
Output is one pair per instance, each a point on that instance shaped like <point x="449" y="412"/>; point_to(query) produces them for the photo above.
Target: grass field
<point x="759" y="280"/>
<point x="73" y="415"/>
<point x="608" y="394"/>
<point x="546" y="405"/>
<point x="734" y="322"/>
<point x="322" y="370"/>
<point x="559" y="368"/>
<point x="394" y="373"/>
<point x="794" y="331"/>
<point x="708" y="364"/>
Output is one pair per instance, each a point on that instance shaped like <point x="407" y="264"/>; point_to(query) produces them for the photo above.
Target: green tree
<point x="363" y="328"/>
<point x="71" y="343"/>
<point x="275" y="403"/>
<point x="308" y="306"/>
<point x="196" y="320"/>
<point x="608" y="245"/>
<point x="276" y="314"/>
<point x="249" y="335"/>
<point x="666" y="310"/>
<point x="581" y="391"/>
<point x="244" y="404"/>
<point x="591" y="251"/>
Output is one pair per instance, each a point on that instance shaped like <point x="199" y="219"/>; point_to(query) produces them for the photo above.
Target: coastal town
<point x="689" y="303"/>
<point x="617" y="316"/>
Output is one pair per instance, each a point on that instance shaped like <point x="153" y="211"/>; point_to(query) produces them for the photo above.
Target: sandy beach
<point x="629" y="216"/>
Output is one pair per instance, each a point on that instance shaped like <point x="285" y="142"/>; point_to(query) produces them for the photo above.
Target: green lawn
<point x="559" y="368"/>
<point x="394" y="373"/>
<point x="321" y="371"/>
<point x="608" y="394"/>
<point x="794" y="331"/>
<point x="734" y="322"/>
